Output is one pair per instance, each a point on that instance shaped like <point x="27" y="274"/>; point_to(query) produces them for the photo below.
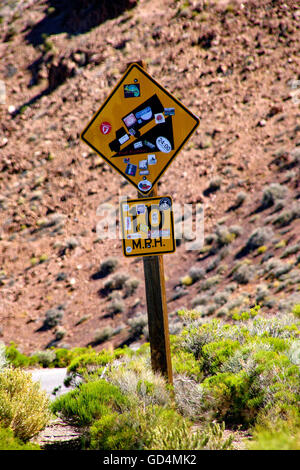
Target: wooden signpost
<point x="139" y="130"/>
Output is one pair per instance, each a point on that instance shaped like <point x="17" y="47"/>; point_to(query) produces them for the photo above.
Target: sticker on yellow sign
<point x="140" y="122"/>
<point x="147" y="226"/>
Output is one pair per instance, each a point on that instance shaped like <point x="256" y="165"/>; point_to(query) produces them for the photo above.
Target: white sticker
<point x="140" y="209"/>
<point x="163" y="144"/>
<point x="128" y="249"/>
<point x="143" y="164"/>
<point x="155" y="234"/>
<point x="124" y="139"/>
<point x="133" y="236"/>
<point x="128" y="223"/>
<point x="152" y="160"/>
<point x="154" y="217"/>
<point x="144" y="172"/>
<point x="138" y="145"/>
<point x="159" y="118"/>
<point x="165" y="233"/>
<point x="125" y="207"/>
<point x="145" y="185"/>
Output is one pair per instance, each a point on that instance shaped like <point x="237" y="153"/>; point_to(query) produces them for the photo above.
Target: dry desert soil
<point x="234" y="64"/>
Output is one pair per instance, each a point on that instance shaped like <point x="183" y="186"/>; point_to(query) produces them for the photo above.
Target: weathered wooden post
<point x="158" y="323"/>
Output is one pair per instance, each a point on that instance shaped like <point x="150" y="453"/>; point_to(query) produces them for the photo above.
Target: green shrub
<point x="9" y="442"/>
<point x="16" y="358"/>
<point x="24" y="407"/>
<point x="136" y="429"/>
<point x="45" y="358"/>
<point x="296" y="310"/>
<point x="229" y="395"/>
<point x="195" y="335"/>
<point x="181" y="438"/>
<point x="83" y="363"/>
<point x="275" y="440"/>
<point x="115" y="432"/>
<point x="214" y="354"/>
<point x="64" y="357"/>
<point x="185" y="363"/>
<point x="60" y="357"/>
<point x="266" y="379"/>
<point x="89" y="402"/>
<point x="248" y="367"/>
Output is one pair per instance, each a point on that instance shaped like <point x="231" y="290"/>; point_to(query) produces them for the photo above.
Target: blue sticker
<point x="132" y="90"/>
<point x="145" y="114"/>
<point x="169" y="111"/>
<point x="130" y="169"/>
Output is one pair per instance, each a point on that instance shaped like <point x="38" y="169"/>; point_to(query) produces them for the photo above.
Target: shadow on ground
<point x="76" y="17"/>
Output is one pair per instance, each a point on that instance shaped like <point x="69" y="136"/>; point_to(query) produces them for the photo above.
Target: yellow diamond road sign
<point x="147" y="226"/>
<point x="140" y="129"/>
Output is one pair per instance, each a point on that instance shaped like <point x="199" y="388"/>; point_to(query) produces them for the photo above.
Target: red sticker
<point x="105" y="128"/>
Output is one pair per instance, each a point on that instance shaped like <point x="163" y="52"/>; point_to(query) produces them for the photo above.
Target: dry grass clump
<point x="291" y="250"/>
<point x="243" y="274"/>
<point x="188" y="395"/>
<point x="136" y="378"/>
<point x="275" y="268"/>
<point x="103" y="334"/>
<point x="115" y="306"/>
<point x="24" y="407"/>
<point x="272" y="194"/>
<point x="130" y="286"/>
<point x="259" y="237"/>
<point x="53" y="317"/>
<point x="137" y="324"/>
<point x="108" y="266"/>
<point x="117" y="282"/>
<point x="195" y="273"/>
<point x="240" y="198"/>
<point x="287" y="216"/>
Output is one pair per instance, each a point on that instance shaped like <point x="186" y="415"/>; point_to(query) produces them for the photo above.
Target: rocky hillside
<point x="234" y="64"/>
